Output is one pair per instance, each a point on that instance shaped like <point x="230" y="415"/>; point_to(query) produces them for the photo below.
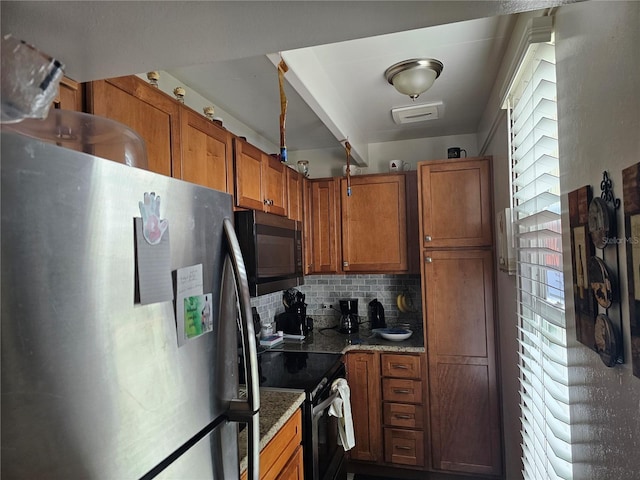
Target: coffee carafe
<point x="349" y="315"/>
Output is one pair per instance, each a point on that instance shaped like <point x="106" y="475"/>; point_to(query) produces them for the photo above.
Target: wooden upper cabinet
<point x="145" y="109"/>
<point x="275" y="185"/>
<point x="69" y="95"/>
<point x="248" y="170"/>
<point x="374" y="224"/>
<point x="465" y="416"/>
<point x="324" y="226"/>
<point x="260" y="179"/>
<point x="455" y="205"/>
<point x="295" y="188"/>
<point x="206" y="152"/>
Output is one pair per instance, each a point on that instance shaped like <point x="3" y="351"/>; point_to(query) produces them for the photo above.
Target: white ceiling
<point x="336" y="89"/>
<point x="352" y="90"/>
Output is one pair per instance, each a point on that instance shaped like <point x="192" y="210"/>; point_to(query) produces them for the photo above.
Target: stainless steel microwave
<point x="272" y="250"/>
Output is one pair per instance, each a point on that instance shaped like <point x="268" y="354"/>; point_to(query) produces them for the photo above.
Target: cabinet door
<point x="206" y="153"/>
<point x="465" y="418"/>
<point x="69" y="95"/>
<point x="363" y="376"/>
<point x="147" y="110"/>
<point x="274" y="185"/>
<point x="294" y="197"/>
<point x="374" y="224"/>
<point x="248" y="170"/>
<point x="324" y="227"/>
<point x="455" y="205"/>
<point x="294" y="470"/>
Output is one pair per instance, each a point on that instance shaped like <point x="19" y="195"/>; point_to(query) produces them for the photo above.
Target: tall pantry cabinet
<point x="458" y="293"/>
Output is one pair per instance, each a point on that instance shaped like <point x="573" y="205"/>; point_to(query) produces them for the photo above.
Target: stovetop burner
<point x="296" y="370"/>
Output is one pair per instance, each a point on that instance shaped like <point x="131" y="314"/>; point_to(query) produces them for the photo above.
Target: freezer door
<point x="94" y="384"/>
<point x="213" y="457"/>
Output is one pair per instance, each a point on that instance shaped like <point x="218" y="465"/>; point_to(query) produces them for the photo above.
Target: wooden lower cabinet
<point x="363" y="376"/>
<point x="281" y="458"/>
<point x="403" y="405"/>
<point x="294" y="470"/>
<point x="388" y="408"/>
<point x="464" y="395"/>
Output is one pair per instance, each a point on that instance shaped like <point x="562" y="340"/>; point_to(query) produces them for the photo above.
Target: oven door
<point x="328" y="456"/>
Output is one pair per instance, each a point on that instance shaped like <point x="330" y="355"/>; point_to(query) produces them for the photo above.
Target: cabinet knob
<point x="427" y="238"/>
<point x="266" y="201"/>
<point x="428" y="259"/>
<point x="345" y="264"/>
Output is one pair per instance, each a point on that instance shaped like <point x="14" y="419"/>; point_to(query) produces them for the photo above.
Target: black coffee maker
<point x="349" y="318"/>
<point x="294" y="319"/>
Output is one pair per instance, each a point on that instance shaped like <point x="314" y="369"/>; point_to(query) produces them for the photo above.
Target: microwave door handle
<point x="240" y="410"/>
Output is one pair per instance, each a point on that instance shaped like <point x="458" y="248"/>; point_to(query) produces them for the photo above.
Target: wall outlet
<point x="327" y="305"/>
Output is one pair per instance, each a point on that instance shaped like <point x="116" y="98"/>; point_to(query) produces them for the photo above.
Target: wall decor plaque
<point x="582" y="249"/>
<point x="631" y="199"/>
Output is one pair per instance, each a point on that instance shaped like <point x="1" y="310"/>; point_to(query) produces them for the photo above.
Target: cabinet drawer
<point x="405" y="447"/>
<point x="403" y="391"/>
<point x="401" y="366"/>
<point x="403" y="415"/>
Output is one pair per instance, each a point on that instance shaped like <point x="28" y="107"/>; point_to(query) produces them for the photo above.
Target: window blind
<point x="544" y="393"/>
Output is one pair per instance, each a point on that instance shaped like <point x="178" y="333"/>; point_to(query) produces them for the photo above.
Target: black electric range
<point x="297" y="370"/>
<point x="313" y="373"/>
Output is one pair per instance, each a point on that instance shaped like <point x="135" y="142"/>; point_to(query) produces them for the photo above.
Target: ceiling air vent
<point x="417" y="113"/>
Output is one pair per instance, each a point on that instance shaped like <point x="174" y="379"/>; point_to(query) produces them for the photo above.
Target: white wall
<point x="598" y="77"/>
<point x="329" y="163"/>
<point x="197" y="102"/>
<point x="498" y="147"/>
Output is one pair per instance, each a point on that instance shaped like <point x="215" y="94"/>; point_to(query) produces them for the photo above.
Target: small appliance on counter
<point x="349" y="315"/>
<point x="376" y="314"/>
<point x="294" y="320"/>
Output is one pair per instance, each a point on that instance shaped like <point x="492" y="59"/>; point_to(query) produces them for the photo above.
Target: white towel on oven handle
<point x="341" y="408"/>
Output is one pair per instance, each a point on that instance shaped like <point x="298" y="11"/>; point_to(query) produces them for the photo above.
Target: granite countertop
<point x="276" y="407"/>
<point x="331" y="340"/>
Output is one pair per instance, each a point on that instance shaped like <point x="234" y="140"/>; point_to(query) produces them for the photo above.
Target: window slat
<point x="544" y="385"/>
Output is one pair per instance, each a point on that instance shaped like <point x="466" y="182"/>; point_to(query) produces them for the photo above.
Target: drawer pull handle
<point x="404" y="417"/>
<point x="401" y="390"/>
<point x="402" y="447"/>
<point x="400" y="366"/>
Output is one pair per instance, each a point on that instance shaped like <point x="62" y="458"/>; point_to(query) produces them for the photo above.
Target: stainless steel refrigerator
<point x="94" y="382"/>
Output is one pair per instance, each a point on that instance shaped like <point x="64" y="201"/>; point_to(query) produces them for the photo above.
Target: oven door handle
<point x="321" y="407"/>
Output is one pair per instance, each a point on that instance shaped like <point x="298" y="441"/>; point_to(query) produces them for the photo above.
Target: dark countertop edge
<point x="276" y="407"/>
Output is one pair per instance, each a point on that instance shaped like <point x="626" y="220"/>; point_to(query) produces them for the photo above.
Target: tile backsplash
<point x="329" y="289"/>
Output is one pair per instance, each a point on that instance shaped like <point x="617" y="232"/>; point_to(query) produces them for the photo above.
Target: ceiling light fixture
<point x="415" y="76"/>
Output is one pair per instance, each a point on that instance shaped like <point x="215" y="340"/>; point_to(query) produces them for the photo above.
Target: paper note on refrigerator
<point x="153" y="268"/>
<point x="188" y="284"/>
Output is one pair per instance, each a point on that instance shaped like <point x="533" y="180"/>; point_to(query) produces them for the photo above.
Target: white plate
<point x="394" y="334"/>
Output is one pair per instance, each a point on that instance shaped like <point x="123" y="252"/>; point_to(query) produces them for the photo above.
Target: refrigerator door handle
<point x="245" y="411"/>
